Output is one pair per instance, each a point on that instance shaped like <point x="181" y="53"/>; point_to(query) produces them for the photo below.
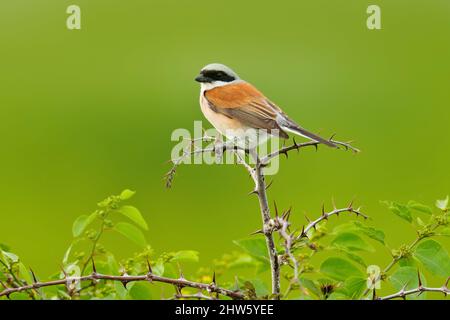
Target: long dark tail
<point x="302" y="132"/>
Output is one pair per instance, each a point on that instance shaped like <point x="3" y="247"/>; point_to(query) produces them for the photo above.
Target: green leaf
<point x="24" y="273"/>
<point x="126" y="194"/>
<point x="140" y="291"/>
<point x="407" y="262"/>
<point x="158" y="268"/>
<point x="19" y="296"/>
<point x="255" y="284"/>
<point x="442" y="204"/>
<point x="354" y="287"/>
<point x="10" y="257"/>
<point x="406" y="278"/>
<point x="67" y="255"/>
<point x="371" y="232"/>
<point x="185" y="256"/>
<point x="131" y="232"/>
<point x="255" y="247"/>
<point x="121" y="292"/>
<point x="399" y="209"/>
<point x="434" y="257"/>
<point x="339" y="269"/>
<point x="352" y="241"/>
<point x="419" y="207"/>
<point x="134" y="215"/>
<point x="81" y="223"/>
<point x="310" y="286"/>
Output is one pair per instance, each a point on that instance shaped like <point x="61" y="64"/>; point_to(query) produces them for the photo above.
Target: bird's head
<point x="216" y="74"/>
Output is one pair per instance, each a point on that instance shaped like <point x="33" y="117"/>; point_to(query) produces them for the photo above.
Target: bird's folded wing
<point x="243" y="102"/>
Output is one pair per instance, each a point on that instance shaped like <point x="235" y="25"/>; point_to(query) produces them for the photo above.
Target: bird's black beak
<point x="202" y="78"/>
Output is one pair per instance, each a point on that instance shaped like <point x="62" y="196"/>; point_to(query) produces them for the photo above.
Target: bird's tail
<point x="304" y="133"/>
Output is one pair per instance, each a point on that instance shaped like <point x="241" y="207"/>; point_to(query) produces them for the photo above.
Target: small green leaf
<point x="121" y="292"/>
<point x="126" y="194"/>
<point x="81" y="223"/>
<point x="140" y="291"/>
<point x="310" y="286"/>
<point x="256" y="285"/>
<point x="399" y="209"/>
<point x="406" y="278"/>
<point x="371" y="232"/>
<point x="407" y="261"/>
<point x="434" y="257"/>
<point x="131" y="232"/>
<point x="354" y="287"/>
<point x="420" y="207"/>
<point x="158" y="268"/>
<point x="19" y="296"/>
<point x="10" y="257"/>
<point x="67" y="255"/>
<point x="134" y="215"/>
<point x="339" y="269"/>
<point x="442" y="204"/>
<point x="24" y="273"/>
<point x="255" y="247"/>
<point x="185" y="256"/>
<point x="352" y="241"/>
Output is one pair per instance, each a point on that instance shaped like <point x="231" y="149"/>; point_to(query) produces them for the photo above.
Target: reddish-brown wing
<point x="243" y="102"/>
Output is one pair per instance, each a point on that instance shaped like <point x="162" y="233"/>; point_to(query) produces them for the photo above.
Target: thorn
<point x="214" y="278"/>
<point x="63" y="271"/>
<point x="4" y="285"/>
<point x="295" y="142"/>
<point x="420" y="280"/>
<point x="316" y="146"/>
<point x="181" y="275"/>
<point x="257" y="232"/>
<point x="236" y="284"/>
<point x="350" y="206"/>
<point x="252" y="192"/>
<point x="332" y="136"/>
<point x="307" y="219"/>
<point x="93" y="266"/>
<point x="303" y="234"/>
<point x="446" y="282"/>
<point x="275" y="208"/>
<point x="333" y="203"/>
<point x="149" y="267"/>
<point x="374" y="294"/>
<point x="323" y="211"/>
<point x="34" y="276"/>
<point x="286" y="215"/>
<point x="177" y="289"/>
<point x="269" y="185"/>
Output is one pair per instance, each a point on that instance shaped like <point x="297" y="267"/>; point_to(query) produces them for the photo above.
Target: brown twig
<point x="420" y="289"/>
<point x="326" y="215"/>
<point x="181" y="282"/>
<point x="297" y="146"/>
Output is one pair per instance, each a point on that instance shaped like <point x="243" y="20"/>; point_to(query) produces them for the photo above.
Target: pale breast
<point x="221" y="122"/>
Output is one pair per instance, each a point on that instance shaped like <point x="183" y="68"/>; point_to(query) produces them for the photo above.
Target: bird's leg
<point x="219" y="147"/>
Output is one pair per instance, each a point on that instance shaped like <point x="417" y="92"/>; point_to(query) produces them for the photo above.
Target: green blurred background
<point x="88" y="113"/>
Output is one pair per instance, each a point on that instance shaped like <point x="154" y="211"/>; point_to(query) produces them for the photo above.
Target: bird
<point x="241" y="112"/>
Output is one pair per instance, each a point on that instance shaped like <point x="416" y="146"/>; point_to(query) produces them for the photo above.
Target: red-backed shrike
<point x="233" y="106"/>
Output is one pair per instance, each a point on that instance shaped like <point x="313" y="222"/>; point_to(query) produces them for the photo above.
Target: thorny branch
<point x="179" y="283"/>
<point x="420" y="289"/>
<point x="257" y="174"/>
